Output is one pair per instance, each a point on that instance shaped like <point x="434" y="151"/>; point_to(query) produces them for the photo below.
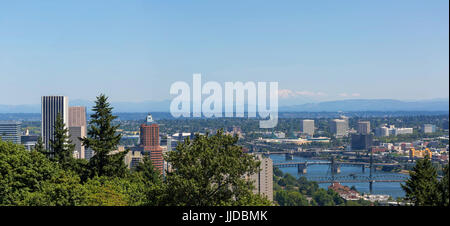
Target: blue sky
<point x="134" y="50"/>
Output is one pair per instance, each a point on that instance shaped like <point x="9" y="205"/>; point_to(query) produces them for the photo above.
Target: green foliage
<point x="103" y="139"/>
<point x="422" y="188"/>
<point x="209" y="171"/>
<point x="443" y="188"/>
<point x="291" y="192"/>
<point x="61" y="145"/>
<point x="148" y="172"/>
<point x="29" y="178"/>
<point x="290" y="198"/>
<point x="39" y="147"/>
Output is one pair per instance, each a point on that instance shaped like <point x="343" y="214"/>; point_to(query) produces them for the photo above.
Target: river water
<point x="386" y="188"/>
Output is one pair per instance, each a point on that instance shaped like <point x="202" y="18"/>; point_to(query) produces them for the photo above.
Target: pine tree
<point x="39" y="147"/>
<point x="62" y="147"/>
<point x="149" y="173"/>
<point x="422" y="187"/>
<point x="443" y="188"/>
<point x="103" y="139"/>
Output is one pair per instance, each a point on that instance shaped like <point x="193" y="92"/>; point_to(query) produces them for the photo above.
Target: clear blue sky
<point x="134" y="50"/>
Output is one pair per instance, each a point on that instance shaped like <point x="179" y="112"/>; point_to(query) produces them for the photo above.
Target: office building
<point x="401" y="131"/>
<point x="149" y="145"/>
<point x="10" y="131"/>
<point x="51" y="106"/>
<point x="307" y="127"/>
<point x="339" y="127"/>
<point x="382" y="131"/>
<point x="29" y="141"/>
<point x="77" y="129"/>
<point x="133" y="158"/>
<point x="361" y="141"/>
<point x="363" y="127"/>
<point x="429" y="128"/>
<point x="263" y="180"/>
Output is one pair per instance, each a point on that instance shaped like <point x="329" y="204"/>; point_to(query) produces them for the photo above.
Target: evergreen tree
<point x="39" y="147"/>
<point x="422" y="187"/>
<point x="443" y="188"/>
<point x="62" y="147"/>
<point x="103" y="139"/>
<point x="148" y="171"/>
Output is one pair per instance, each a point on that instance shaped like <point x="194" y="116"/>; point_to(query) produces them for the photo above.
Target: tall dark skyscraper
<point x="50" y="107"/>
<point x="362" y="141"/>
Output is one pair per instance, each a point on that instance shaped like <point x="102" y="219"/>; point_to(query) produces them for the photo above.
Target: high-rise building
<point x="263" y="179"/>
<point x="382" y="131"/>
<point x="50" y="107"/>
<point x="149" y="139"/>
<point x="363" y="127"/>
<point x="10" y="131"/>
<point x="339" y="127"/>
<point x="361" y="141"/>
<point x="77" y="129"/>
<point x="307" y="127"/>
<point x="429" y="128"/>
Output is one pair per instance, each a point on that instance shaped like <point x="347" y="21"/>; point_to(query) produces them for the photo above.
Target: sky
<point x="134" y="50"/>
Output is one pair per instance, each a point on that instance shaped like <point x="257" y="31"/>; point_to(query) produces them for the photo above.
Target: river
<point x="386" y="188"/>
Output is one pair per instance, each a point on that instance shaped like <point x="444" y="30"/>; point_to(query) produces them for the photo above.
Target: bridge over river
<point x="335" y="167"/>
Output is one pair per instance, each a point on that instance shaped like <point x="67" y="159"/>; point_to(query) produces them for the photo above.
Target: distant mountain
<point x="145" y="106"/>
<point x="371" y="105"/>
<point x="328" y="106"/>
<point x="26" y="108"/>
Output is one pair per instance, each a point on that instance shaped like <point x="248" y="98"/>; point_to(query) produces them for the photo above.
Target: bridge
<point x="360" y="179"/>
<point x="335" y="166"/>
<point x="352" y="178"/>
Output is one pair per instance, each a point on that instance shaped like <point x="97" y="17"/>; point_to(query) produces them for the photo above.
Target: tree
<point x="210" y="171"/>
<point x="29" y="178"/>
<point x="290" y="198"/>
<point x="322" y="198"/>
<point x="443" y="188"/>
<point x="148" y="171"/>
<point x="422" y="186"/>
<point x="62" y="147"/>
<point x="103" y="139"/>
<point x="39" y="147"/>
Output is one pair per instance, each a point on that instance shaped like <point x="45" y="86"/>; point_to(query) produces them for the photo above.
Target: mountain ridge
<point x="438" y="104"/>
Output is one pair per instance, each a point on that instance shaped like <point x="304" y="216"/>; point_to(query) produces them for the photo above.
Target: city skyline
<point x="134" y="51"/>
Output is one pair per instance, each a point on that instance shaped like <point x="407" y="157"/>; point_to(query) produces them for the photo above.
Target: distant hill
<point x="328" y="106"/>
<point x="371" y="105"/>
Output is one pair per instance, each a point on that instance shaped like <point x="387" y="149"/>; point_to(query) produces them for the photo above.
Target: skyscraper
<point x="361" y="141"/>
<point x="10" y="131"/>
<point x="363" y="127"/>
<point x="50" y="107"/>
<point x="339" y="127"/>
<point x="149" y="138"/>
<point x="263" y="179"/>
<point x="77" y="128"/>
<point x="307" y="127"/>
